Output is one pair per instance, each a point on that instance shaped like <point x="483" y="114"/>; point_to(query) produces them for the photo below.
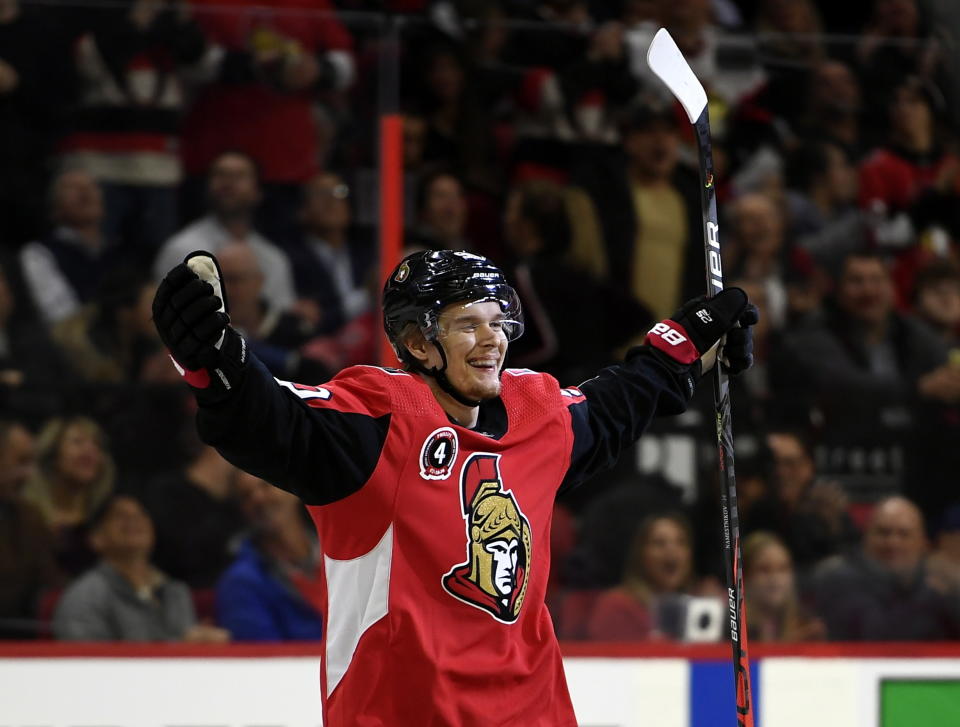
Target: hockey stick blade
<point x="668" y="63"/>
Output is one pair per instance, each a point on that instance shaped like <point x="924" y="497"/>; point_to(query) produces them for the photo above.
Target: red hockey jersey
<point x="435" y="538"/>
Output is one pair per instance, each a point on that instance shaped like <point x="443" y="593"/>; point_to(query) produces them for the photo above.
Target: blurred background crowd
<point x="135" y="131"/>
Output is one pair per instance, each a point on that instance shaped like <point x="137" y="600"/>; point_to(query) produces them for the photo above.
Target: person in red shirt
<point x="267" y="64"/>
<point x="432" y="486"/>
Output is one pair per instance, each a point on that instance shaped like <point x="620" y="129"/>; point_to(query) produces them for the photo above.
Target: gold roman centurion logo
<point x="494" y="578"/>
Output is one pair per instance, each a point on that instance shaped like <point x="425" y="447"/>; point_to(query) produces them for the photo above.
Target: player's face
<point x="474" y="340"/>
<point x="504" y="554"/>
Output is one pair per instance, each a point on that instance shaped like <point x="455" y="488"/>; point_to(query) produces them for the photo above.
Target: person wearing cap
<point x="432" y="485"/>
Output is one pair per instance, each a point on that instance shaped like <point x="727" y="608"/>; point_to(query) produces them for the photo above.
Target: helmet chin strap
<point x="440" y="376"/>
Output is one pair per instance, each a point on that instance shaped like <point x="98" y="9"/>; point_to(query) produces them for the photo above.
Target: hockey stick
<point x="666" y="61"/>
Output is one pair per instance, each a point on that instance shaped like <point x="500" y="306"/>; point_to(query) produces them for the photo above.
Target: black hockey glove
<point x="190" y="313"/>
<point x="685" y="339"/>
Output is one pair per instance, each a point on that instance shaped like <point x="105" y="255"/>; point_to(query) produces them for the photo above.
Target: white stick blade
<point x="668" y="63"/>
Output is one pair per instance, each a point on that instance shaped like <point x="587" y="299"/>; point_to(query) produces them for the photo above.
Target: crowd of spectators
<point x="533" y="132"/>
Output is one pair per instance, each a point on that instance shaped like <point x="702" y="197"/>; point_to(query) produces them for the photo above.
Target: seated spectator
<point x="936" y="297"/>
<point x="883" y="591"/>
<point x="569" y="336"/>
<point x="332" y="264"/>
<point x="658" y="578"/>
<point x="113" y="339"/>
<point x="441" y="213"/>
<point x="273" y="335"/>
<point x="806" y="513"/>
<point x="773" y="609"/>
<point x="74" y="475"/>
<point x="131" y="64"/>
<point x="823" y="216"/>
<point x="27" y="565"/>
<point x="233" y="190"/>
<point x="272" y="592"/>
<point x="195" y="515"/>
<point x="63" y="270"/>
<point x="124" y="598"/>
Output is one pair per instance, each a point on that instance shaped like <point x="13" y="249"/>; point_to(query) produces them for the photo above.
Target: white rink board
<point x="284" y="692"/>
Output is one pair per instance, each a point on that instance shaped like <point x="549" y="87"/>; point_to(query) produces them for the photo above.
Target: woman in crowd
<point x="774" y="612"/>
<point x="75" y="474"/>
<point x="657" y="580"/>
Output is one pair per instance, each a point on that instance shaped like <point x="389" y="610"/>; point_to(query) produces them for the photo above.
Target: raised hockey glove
<point x="190" y="314"/>
<point x="686" y="340"/>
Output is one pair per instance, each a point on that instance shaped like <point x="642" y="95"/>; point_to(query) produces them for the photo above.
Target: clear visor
<point x="504" y="318"/>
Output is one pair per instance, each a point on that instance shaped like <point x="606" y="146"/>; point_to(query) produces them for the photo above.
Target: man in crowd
<point x="124" y="598"/>
<point x="233" y="190"/>
<point x="883" y="591"/>
<point x="432" y="487"/>
<point x="63" y="270"/>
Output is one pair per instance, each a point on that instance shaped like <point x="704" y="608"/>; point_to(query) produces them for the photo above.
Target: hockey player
<point x="432" y="486"/>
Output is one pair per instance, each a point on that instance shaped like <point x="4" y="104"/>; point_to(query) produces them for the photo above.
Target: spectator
<point x="27" y="564"/>
<point x="271" y="63"/>
<point x="233" y="190"/>
<point x="659" y="573"/>
<point x="275" y="336"/>
<point x="333" y="265"/>
<point x="124" y="598"/>
<point x="937" y="300"/>
<point x="823" y="216"/>
<point x="195" y="516"/>
<point x="131" y="63"/>
<point x="834" y="108"/>
<point x="560" y="327"/>
<point x="806" y="513"/>
<point x="883" y="592"/>
<point x="758" y="251"/>
<point x="863" y="351"/>
<point x="725" y="64"/>
<point x="75" y="474"/>
<point x="64" y="269"/>
<point x="441" y="213"/>
<point x="895" y="44"/>
<point x="272" y="590"/>
<point x="112" y="340"/>
<point x="911" y="185"/>
<point x="773" y="607"/>
<point x="458" y="119"/>
<point x="666" y="258"/>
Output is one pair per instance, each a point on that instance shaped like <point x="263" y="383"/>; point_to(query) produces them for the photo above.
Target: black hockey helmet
<point x="424" y="283"/>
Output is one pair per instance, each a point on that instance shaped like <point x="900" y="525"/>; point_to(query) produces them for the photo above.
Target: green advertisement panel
<point x="920" y="703"/>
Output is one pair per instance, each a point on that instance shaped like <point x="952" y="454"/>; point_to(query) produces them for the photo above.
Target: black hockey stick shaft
<point x="736" y="610"/>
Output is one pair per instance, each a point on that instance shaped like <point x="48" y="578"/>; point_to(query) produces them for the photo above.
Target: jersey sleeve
<point x="320" y="443"/>
<point x="609" y="412"/>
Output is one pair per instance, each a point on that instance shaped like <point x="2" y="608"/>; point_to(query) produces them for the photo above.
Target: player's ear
<point x="417" y="345"/>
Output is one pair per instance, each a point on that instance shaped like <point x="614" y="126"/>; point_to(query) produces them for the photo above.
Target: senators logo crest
<point x="495" y="575"/>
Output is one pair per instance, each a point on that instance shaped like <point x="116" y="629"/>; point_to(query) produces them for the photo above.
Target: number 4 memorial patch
<point x="438" y="454"/>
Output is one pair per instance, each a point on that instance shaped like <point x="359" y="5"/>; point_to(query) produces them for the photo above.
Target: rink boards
<point x="246" y="686"/>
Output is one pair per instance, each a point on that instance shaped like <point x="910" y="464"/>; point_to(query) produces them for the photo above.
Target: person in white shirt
<point x="233" y="191"/>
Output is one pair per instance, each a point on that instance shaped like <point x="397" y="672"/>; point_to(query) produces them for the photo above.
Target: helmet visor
<point x="466" y="317"/>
